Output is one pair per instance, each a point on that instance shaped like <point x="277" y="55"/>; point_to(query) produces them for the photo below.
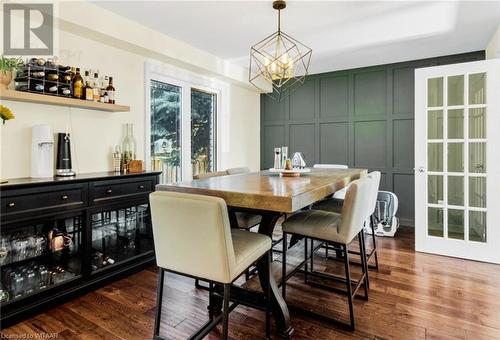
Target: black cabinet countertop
<point x="85" y="177"/>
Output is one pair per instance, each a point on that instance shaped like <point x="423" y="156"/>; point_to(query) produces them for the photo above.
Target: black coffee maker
<point x="63" y="165"/>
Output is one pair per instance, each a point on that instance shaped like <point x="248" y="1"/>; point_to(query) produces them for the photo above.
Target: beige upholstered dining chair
<point x="335" y="205"/>
<point x="337" y="229"/>
<point x="202" y="245"/>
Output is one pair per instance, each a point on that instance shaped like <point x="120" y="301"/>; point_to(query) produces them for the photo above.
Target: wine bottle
<point x="38" y="74"/>
<point x="110" y="90"/>
<point x="52" y="88"/>
<point x="66" y="78"/>
<point x="64" y="68"/>
<point x="77" y="85"/>
<point x="38" y="87"/>
<point x="37" y="61"/>
<point x="65" y="91"/>
<point x="52" y="76"/>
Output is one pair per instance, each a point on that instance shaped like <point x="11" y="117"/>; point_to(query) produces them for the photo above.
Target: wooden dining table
<point x="269" y="195"/>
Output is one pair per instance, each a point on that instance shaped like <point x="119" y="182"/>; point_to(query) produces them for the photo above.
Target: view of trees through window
<point x="203" y="107"/>
<point x="166" y="118"/>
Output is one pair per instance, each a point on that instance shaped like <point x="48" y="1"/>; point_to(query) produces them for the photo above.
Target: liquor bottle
<point x="97" y="91"/>
<point x="110" y="90"/>
<point x="104" y="94"/>
<point x="88" y="90"/>
<point x="77" y="85"/>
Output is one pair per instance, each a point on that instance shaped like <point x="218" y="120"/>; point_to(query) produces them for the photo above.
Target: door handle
<point x="421" y="169"/>
<point x="64" y="197"/>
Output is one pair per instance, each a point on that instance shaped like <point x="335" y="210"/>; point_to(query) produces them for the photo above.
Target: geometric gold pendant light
<point x="279" y="60"/>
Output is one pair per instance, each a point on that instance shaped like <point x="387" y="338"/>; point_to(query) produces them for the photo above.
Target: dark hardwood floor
<point x="413" y="296"/>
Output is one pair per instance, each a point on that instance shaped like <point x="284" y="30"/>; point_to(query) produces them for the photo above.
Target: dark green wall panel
<point x="361" y="117"/>
<point x="370" y="144"/>
<point x="334" y="143"/>
<point x="302" y="138"/>
<point x="334" y="97"/>
<point x="370" y="93"/>
<point x="301" y="106"/>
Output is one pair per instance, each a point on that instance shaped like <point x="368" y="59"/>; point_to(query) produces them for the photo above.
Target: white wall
<point x="493" y="48"/>
<point x="94" y="133"/>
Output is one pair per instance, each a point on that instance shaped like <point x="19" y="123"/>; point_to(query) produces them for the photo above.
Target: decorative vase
<point x="128" y="146"/>
<point x="5" y="79"/>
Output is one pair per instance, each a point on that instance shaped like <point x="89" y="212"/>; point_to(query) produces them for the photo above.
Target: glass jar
<point x="128" y="146"/>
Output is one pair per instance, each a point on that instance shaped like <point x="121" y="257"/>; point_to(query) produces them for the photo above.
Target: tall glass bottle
<point x="128" y="146"/>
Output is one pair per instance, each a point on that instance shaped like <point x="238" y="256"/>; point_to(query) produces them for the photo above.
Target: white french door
<point x="181" y="128"/>
<point x="457" y="160"/>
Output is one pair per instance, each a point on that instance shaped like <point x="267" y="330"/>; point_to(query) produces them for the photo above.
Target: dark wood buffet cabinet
<point x="62" y="237"/>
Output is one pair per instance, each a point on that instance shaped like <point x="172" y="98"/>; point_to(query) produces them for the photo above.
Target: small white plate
<point x="293" y="172"/>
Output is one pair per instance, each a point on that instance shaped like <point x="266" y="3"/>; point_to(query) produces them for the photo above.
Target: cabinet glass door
<point x="454" y="135"/>
<point x="120" y="234"/>
<point x="38" y="256"/>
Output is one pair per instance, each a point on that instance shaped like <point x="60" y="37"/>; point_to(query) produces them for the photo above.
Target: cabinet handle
<point x="141" y="187"/>
<point x="109" y="191"/>
<point x="11" y="204"/>
<point x="64" y="197"/>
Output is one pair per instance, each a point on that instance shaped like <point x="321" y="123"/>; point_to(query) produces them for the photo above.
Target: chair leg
<point x="348" y="286"/>
<point x="225" y="311"/>
<point x="366" y="256"/>
<point x="312" y="255"/>
<point x="362" y="256"/>
<point x="210" y="301"/>
<point x="306" y="270"/>
<point x="268" y="295"/>
<point x="159" y="297"/>
<point x="372" y="222"/>
<point x="283" y="267"/>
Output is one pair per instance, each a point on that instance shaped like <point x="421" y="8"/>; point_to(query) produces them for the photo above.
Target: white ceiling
<point x="342" y="34"/>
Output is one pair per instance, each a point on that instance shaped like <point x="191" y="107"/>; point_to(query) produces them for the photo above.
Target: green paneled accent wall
<point x="361" y="117"/>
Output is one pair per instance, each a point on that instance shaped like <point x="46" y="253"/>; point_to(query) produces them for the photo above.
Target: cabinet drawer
<point x="113" y="190"/>
<point x="43" y="198"/>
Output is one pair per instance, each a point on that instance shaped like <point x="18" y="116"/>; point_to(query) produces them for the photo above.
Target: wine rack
<point x="28" y="79"/>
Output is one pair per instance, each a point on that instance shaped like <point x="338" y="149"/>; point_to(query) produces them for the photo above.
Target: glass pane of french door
<point x="456" y="157"/>
<point x="203" y="113"/>
<point x="166" y="111"/>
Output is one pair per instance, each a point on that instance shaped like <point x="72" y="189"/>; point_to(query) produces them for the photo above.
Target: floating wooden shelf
<point x="29" y="97"/>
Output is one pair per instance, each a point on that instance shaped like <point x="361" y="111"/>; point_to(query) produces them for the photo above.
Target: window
<point x="182" y="133"/>
<point x="203" y="108"/>
<point x="165" y="141"/>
